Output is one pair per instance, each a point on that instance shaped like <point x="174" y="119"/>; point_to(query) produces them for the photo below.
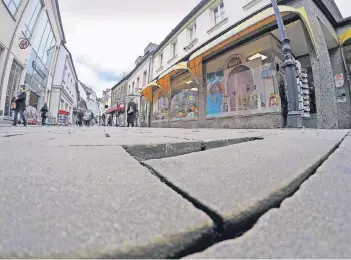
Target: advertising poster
<point x="215" y="93"/>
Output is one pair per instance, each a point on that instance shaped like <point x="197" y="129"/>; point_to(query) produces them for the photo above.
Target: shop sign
<point x="111" y="109"/>
<point x="339" y="80"/>
<point x="63" y="112"/>
<point x="235" y="60"/>
<point x="39" y="70"/>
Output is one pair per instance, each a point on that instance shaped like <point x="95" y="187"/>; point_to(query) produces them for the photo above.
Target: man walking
<point x="21" y="106"/>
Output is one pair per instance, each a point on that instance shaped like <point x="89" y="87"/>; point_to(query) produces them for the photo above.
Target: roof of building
<point x="145" y="57"/>
<point x="60" y="21"/>
<point x="70" y="55"/>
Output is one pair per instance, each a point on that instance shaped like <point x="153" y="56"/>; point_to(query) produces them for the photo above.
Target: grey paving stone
<point x="242" y="181"/>
<point x="314" y="223"/>
<point x="91" y="202"/>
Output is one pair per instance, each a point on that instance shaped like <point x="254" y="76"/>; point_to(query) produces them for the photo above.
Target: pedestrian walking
<point x="80" y="118"/>
<point x="131" y="113"/>
<point x="44" y="111"/>
<point x="87" y="118"/>
<point x="20" y="106"/>
<point x="103" y="119"/>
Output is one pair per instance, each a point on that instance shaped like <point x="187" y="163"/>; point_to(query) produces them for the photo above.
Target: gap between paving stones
<point x="235" y="228"/>
<point x="160" y="151"/>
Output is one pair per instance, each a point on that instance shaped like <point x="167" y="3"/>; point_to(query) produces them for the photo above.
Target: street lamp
<point x="294" y="119"/>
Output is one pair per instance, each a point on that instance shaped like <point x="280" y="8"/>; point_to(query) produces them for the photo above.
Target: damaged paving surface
<point x="174" y="193"/>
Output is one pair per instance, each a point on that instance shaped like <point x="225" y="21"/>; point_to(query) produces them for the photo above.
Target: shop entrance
<point x="33" y="100"/>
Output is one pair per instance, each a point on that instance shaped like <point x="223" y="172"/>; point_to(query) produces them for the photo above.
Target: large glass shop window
<point x="160" y="106"/>
<point x="244" y="81"/>
<point x="184" y="98"/>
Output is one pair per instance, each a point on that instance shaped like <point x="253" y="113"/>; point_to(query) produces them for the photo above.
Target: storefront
<point x="238" y="80"/>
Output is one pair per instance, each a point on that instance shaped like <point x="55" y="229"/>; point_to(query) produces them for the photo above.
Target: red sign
<point x="63" y="112"/>
<point x="112" y="109"/>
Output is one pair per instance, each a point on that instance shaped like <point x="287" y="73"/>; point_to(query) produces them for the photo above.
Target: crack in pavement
<point x="238" y="226"/>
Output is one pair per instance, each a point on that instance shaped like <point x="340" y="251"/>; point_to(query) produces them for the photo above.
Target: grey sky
<point x="108" y="35"/>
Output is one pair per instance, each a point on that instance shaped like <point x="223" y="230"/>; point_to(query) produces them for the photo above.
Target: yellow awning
<point x="345" y="36"/>
<point x="251" y="25"/>
<point x="147" y="91"/>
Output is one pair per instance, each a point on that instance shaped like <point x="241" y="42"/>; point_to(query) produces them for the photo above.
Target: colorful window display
<point x="184" y="98"/>
<point x="160" y="106"/>
<point x="244" y="81"/>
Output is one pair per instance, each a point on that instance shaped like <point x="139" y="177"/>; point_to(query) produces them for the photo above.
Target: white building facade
<point x="64" y="96"/>
<point x="39" y="23"/>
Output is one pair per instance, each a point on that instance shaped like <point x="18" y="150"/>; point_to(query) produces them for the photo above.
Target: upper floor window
<point x="138" y="83"/>
<point x="34" y="11"/>
<point x="192" y="32"/>
<point x="12" y="5"/>
<point x="219" y="13"/>
<point x="173" y="49"/>
<point x="144" y="77"/>
<point x="133" y="87"/>
<point x="161" y="60"/>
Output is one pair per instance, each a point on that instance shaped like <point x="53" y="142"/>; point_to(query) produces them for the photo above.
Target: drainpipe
<point x="346" y="69"/>
<point x="149" y="108"/>
<point x="10" y="48"/>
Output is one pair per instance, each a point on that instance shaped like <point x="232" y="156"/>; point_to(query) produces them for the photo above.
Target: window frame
<point x="31" y="24"/>
<point x="161" y="59"/>
<point x="7" y="5"/>
<point x="192" y="32"/>
<point x="221" y="13"/>
<point x="174" y="45"/>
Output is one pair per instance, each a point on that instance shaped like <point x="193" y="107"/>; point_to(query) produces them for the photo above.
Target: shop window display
<point x="244" y="81"/>
<point x="160" y="106"/>
<point x="184" y="98"/>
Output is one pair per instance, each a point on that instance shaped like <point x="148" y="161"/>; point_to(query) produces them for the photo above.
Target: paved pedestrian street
<point x="103" y="192"/>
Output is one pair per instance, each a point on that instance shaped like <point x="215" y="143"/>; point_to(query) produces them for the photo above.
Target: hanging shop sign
<point x="339" y="80"/>
<point x="235" y="60"/>
<point x="24" y="43"/>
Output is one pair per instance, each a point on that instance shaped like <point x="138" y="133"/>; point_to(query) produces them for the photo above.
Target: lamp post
<point x="294" y="119"/>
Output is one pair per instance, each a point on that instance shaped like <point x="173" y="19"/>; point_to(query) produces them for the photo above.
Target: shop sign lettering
<point x="235" y="60"/>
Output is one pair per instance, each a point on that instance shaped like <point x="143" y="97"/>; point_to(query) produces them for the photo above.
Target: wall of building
<point x="24" y="57"/>
<point x="205" y="30"/>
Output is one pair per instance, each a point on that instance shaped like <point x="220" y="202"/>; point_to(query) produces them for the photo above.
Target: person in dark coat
<point x="131" y="113"/>
<point x="21" y="106"/>
<point x="43" y="111"/>
<point x="80" y="118"/>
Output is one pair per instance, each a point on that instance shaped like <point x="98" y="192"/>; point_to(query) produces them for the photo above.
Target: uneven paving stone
<point x="314" y="223"/>
<point x="242" y="181"/>
<point x="92" y="202"/>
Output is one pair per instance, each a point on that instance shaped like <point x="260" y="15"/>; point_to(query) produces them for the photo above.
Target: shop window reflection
<point x="243" y="81"/>
<point x="161" y="106"/>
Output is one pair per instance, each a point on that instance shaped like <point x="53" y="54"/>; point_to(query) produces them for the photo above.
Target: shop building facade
<point x="222" y="66"/>
<point x="130" y="86"/>
<point x="30" y="42"/>
<point x="63" y="95"/>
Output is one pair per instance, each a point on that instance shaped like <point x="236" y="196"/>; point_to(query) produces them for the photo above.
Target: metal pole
<point x="294" y="116"/>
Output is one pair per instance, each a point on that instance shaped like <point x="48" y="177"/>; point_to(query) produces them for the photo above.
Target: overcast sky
<point x="105" y="37"/>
